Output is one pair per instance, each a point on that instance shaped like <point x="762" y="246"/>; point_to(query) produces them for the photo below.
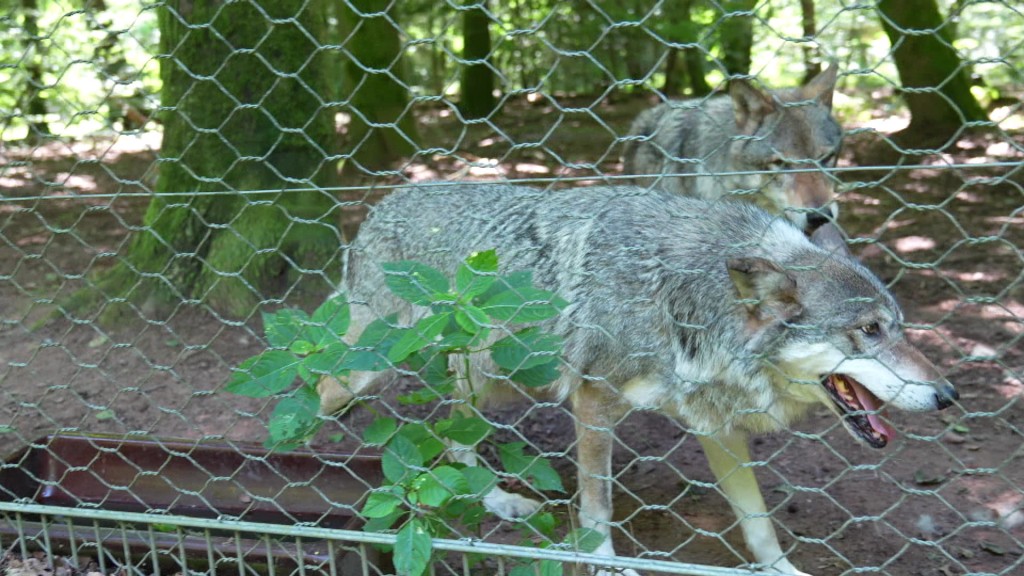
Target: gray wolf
<point x="718" y="314"/>
<point x="767" y="147"/>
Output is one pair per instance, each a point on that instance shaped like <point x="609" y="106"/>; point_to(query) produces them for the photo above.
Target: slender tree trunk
<point x="934" y="83"/>
<point x="737" y="34"/>
<point x="381" y="130"/>
<point x="674" y="74"/>
<point x="35" y="106"/>
<point x="233" y="122"/>
<point x="692" y="58"/>
<point x="812" y="67"/>
<point x="477" y="78"/>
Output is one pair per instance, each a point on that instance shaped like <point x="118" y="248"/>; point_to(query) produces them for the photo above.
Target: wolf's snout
<point x="945" y="396"/>
<point x="817" y="218"/>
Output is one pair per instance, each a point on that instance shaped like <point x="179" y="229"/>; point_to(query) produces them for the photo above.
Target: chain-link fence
<point x="181" y="187"/>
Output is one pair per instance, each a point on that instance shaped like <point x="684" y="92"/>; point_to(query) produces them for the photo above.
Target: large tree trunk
<point x="928" y="61"/>
<point x="234" y="122"/>
<point x="477" y="78"/>
<point x="382" y="128"/>
<point x="737" y="34"/>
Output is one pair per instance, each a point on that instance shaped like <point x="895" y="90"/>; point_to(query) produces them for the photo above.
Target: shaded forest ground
<point x="946" y="498"/>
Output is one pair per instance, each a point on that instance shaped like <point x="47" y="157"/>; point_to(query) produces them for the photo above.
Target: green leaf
<point x="472" y="319"/>
<point x="477" y="275"/>
<point x="523" y="305"/>
<point x="331" y="320"/>
<point x="433" y="371"/>
<point x="456" y="341"/>
<point x="534" y="470"/>
<point x="584" y="539"/>
<point x="537" y="375"/>
<point x="380" y="431"/>
<point x="401" y="459"/>
<point x="415" y="282"/>
<point x="381" y="504"/>
<point x="464" y="430"/>
<point x="105" y="415"/>
<point x="550" y="568"/>
<point x="438" y="485"/>
<point x="543" y="522"/>
<point x="412" y="548"/>
<point x="272" y="372"/>
<point x="428" y="394"/>
<point x="284" y="326"/>
<point x="382" y="524"/>
<point x="423" y="438"/>
<point x="480" y="480"/>
<point x="301" y="347"/>
<point x="526" y="349"/>
<point x="512" y="281"/>
<point x="295" y="418"/>
<point x="424" y="333"/>
<point x="379" y="332"/>
<point x="537" y="568"/>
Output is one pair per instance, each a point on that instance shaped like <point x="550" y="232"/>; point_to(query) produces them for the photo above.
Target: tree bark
<point x="928" y="61"/>
<point x="477" y="78"/>
<point x="737" y="35"/>
<point x="382" y="130"/>
<point x="234" y="122"/>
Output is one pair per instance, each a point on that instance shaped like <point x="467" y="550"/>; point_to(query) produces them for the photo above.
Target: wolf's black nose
<point x="945" y="397"/>
<point x="816" y="219"/>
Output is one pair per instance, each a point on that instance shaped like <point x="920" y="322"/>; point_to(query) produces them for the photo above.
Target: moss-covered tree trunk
<point x="237" y="213"/>
<point x="925" y="59"/>
<point x="382" y="128"/>
<point x="736" y="31"/>
<point x="478" y="78"/>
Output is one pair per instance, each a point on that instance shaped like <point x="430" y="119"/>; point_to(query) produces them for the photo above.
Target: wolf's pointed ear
<point x="750" y="105"/>
<point x="822" y="86"/>
<point x="766" y="290"/>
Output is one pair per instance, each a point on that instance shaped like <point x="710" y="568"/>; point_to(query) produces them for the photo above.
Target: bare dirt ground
<point x="944" y="499"/>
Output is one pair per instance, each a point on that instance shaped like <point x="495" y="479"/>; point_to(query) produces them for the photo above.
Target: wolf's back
<point x="613" y="235"/>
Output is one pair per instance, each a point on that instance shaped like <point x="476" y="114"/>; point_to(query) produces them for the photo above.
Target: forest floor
<point x="945" y="231"/>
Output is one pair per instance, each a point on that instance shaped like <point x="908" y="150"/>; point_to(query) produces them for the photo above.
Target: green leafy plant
<point x="424" y="494"/>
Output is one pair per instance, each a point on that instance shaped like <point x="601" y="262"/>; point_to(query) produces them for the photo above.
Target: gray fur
<point x="715" y="313"/>
<point x="696" y="147"/>
<point x="645" y="274"/>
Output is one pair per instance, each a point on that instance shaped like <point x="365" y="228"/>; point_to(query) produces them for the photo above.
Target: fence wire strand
<point x="173" y="173"/>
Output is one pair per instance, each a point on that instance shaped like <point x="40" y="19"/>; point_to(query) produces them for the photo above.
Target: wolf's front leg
<point x="728" y="456"/>
<point x="595" y="428"/>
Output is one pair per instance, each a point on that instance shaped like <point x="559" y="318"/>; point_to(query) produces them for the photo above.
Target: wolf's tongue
<point x="870" y="403"/>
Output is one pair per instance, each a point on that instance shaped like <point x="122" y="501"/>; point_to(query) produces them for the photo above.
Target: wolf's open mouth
<point x="859" y="408"/>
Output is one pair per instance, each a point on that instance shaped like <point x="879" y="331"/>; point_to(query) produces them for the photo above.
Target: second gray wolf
<point x="765" y="146"/>
<point x="718" y="314"/>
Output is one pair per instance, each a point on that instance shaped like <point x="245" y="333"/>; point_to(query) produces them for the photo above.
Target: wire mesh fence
<point x="182" y="186"/>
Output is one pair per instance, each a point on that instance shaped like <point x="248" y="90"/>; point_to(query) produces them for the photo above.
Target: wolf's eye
<point x="872" y="329"/>
<point x="776" y="164"/>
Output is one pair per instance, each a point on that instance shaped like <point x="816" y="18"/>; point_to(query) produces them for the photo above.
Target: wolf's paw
<point x="510" y="506"/>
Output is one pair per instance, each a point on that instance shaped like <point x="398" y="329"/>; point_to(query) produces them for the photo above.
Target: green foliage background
<point x="96" y="55"/>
